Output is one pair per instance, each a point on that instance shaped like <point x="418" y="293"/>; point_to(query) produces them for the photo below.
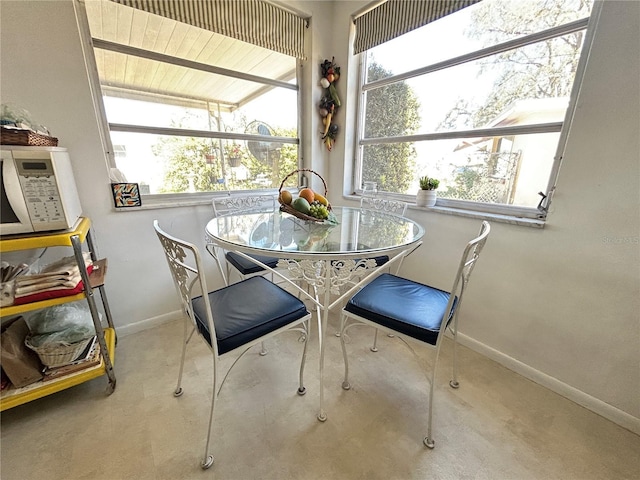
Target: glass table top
<point x="358" y="231"/>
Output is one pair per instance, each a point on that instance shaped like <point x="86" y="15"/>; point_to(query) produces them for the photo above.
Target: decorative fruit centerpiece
<point x="308" y="205"/>
<point x="330" y="101"/>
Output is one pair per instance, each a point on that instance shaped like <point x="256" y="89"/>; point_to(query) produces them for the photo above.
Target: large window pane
<point x="501" y="170"/>
<point x="442" y="100"/>
<point x="185" y="105"/>
<point x="515" y="97"/>
<point x="154" y="114"/>
<point x="481" y="25"/>
<point x="170" y="164"/>
<point x="164" y="113"/>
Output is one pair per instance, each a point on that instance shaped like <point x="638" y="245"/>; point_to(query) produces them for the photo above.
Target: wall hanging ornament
<point x="330" y="102"/>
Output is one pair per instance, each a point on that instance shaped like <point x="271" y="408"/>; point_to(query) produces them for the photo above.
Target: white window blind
<point x="253" y="21"/>
<point x="397" y="17"/>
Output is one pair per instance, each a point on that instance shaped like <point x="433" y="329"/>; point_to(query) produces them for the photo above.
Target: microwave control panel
<point x="40" y="189"/>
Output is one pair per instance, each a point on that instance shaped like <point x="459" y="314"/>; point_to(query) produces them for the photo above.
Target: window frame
<point x="167" y="200"/>
<point x="467" y="207"/>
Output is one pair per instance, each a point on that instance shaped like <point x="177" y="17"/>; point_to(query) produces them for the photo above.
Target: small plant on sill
<point x="428" y="183"/>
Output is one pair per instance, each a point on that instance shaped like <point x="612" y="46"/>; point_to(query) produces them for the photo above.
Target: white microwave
<point x="39" y="192"/>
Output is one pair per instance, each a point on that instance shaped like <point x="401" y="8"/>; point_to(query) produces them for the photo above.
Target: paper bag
<point x="20" y="364"/>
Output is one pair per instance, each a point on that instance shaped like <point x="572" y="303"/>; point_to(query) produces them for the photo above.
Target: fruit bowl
<point x="308" y="205"/>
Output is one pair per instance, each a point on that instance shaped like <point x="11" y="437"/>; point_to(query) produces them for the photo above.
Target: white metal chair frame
<point x="185" y="264"/>
<point x="469" y="257"/>
<point x="384" y="205"/>
<point x="326" y="278"/>
<point x="234" y="204"/>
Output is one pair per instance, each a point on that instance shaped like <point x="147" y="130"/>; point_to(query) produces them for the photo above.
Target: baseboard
<point x="603" y="409"/>
<point x="149" y="323"/>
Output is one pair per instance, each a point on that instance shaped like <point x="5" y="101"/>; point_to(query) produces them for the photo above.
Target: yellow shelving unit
<point x="106" y="337"/>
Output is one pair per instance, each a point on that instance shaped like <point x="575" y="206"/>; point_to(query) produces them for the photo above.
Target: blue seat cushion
<point x="246" y="311"/>
<point x="408" y="307"/>
<point x="246" y="267"/>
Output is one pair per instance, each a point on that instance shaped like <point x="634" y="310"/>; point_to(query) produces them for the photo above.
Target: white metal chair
<point x="231" y="204"/>
<point x="232" y="319"/>
<point x="387" y="206"/>
<point x="406" y="308"/>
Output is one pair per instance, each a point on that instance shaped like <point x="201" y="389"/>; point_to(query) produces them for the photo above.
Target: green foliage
<point x="464" y="184"/>
<point x="428" y="183"/>
<point x="544" y="70"/>
<point x="391" y="111"/>
<point x="186" y="165"/>
<point x="187" y="169"/>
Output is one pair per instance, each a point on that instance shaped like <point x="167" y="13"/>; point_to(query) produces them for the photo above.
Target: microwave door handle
<point x="13" y="191"/>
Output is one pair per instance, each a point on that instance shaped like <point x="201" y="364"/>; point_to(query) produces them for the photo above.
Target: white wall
<point x="560" y="305"/>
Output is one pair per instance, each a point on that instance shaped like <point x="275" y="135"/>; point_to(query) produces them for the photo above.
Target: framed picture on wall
<point x="126" y="195"/>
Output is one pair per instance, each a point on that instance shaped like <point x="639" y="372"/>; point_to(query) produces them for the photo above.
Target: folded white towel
<point x="61" y="274"/>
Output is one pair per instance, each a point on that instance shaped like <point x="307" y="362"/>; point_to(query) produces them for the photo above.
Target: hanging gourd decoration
<point x="330" y="102"/>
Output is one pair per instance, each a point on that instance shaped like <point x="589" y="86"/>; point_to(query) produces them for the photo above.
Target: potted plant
<point x="235" y="155"/>
<point x="426" y="196"/>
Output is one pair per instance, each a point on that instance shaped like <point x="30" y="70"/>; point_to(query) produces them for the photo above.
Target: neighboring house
<point x="506" y="169"/>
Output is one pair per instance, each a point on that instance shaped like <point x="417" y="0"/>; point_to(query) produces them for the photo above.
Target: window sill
<point x="158" y="204"/>
<point x="510" y="219"/>
<point x="495" y="217"/>
<point x="158" y="201"/>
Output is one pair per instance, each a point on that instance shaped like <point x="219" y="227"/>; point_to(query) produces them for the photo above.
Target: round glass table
<point x="334" y="259"/>
<point x="359" y="231"/>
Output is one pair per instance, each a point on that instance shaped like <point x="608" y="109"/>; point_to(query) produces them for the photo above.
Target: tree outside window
<point x="427" y="118"/>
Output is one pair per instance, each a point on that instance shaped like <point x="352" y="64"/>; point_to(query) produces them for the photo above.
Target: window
<point x="190" y="110"/>
<point x="481" y="108"/>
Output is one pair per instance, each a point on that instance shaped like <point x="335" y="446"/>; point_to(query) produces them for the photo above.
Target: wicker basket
<point x="289" y="209"/>
<point x="14" y="136"/>
<point x="59" y="355"/>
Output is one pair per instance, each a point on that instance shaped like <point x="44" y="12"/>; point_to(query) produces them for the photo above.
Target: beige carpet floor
<point x="497" y="425"/>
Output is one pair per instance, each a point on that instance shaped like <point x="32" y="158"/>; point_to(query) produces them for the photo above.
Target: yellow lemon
<point x="285" y="197"/>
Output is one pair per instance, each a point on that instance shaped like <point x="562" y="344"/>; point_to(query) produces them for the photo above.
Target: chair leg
<point x="339" y="332"/>
<point x="345" y="383"/>
<point x="263" y="350"/>
<point x="453" y="383"/>
<point x="428" y="440"/>
<point x="374" y="348"/>
<point x="207" y="461"/>
<point x="302" y="389"/>
<point x="178" y="391"/>
<point x="228" y="269"/>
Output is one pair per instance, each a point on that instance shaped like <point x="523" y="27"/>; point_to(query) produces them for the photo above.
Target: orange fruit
<point x="307" y="194"/>
<point x="285" y="197"/>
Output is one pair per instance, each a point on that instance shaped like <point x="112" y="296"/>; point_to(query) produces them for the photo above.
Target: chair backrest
<point x="229" y="204"/>
<point x="235" y="204"/>
<point x="185" y="265"/>
<point x="467" y="262"/>
<point x="384" y="204"/>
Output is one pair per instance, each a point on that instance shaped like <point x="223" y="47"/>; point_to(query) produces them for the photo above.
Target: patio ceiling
<point x="189" y="56"/>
